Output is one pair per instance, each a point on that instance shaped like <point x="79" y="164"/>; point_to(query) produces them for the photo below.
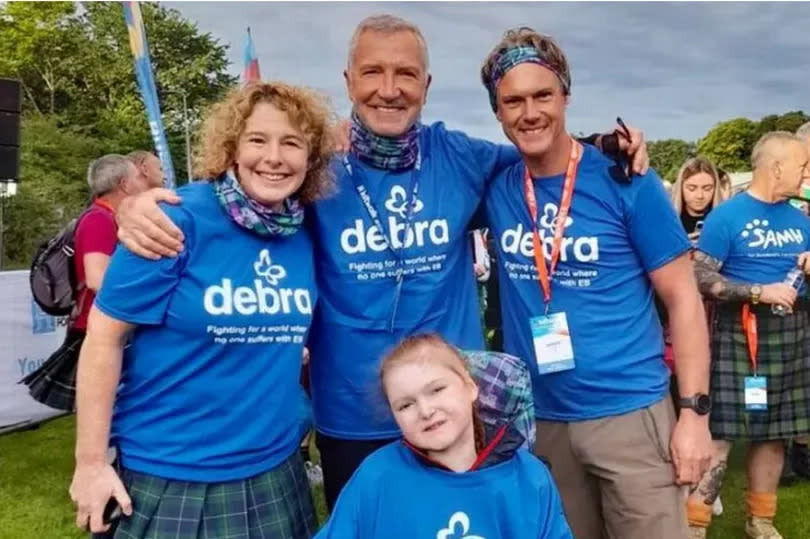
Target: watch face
<point x="756" y="290"/>
<point x="703" y="404"/>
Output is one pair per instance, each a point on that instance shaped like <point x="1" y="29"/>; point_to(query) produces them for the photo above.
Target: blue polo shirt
<point x="210" y="380"/>
<point x="615" y="235"/>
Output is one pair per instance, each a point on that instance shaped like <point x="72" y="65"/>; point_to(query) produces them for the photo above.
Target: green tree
<point x="728" y="144"/>
<point x="184" y="60"/>
<point x="79" y="66"/>
<point x="667" y="156"/>
<point x="81" y="99"/>
<point x="53" y="188"/>
<point x="40" y="45"/>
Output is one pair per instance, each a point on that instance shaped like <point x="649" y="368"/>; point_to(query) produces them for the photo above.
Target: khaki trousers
<point x="615" y="474"/>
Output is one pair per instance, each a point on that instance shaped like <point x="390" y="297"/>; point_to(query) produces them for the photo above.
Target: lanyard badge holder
<point x="374" y="215"/>
<point x="756" y="387"/>
<point x="553" y="348"/>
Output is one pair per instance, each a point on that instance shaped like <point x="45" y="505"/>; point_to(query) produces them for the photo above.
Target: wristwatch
<point x="701" y="403"/>
<point x="756" y="292"/>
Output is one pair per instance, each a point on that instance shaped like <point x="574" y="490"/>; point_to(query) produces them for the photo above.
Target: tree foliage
<point x="81" y="99"/>
<point x="54" y="188"/>
<point x="667" y="156"/>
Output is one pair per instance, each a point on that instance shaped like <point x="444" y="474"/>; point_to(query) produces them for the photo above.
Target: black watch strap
<point x="701" y="403"/>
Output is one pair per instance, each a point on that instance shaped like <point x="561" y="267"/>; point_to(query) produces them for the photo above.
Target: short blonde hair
<point x="693" y="166"/>
<point x="308" y="111"/>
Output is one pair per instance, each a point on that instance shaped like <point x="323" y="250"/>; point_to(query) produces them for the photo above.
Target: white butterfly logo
<point x="550" y="218"/>
<point x="264" y="267"/>
<point x="398" y="203"/>
<point x="457" y="528"/>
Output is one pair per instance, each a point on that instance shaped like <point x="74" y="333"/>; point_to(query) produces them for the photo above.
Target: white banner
<point x="27" y="337"/>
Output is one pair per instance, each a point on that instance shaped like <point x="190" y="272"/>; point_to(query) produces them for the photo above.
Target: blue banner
<point x="146" y="82"/>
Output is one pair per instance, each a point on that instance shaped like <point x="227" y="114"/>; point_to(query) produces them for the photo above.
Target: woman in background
<point x="696" y="191"/>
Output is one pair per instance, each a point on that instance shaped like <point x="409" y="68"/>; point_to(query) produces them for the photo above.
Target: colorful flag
<point x="251" y="72"/>
<point x="146" y="82"/>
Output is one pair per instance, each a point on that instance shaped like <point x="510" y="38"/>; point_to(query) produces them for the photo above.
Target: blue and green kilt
<point x="274" y="505"/>
<point x="783" y="358"/>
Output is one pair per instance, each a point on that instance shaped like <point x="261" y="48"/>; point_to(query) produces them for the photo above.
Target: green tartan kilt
<point x="783" y="358"/>
<point x="273" y="505"/>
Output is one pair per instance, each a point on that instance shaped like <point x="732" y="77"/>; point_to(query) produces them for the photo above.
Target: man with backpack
<point x="68" y="270"/>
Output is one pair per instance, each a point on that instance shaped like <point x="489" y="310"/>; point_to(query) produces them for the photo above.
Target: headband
<point x="509" y="58"/>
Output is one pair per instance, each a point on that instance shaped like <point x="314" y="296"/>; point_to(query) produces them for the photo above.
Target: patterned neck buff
<point x="254" y="216"/>
<point x="387" y="153"/>
<point x="511" y="57"/>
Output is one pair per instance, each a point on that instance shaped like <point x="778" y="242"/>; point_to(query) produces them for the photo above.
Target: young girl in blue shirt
<point x="463" y="467"/>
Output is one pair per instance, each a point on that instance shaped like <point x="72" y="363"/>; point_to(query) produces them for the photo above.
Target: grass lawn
<point x="36" y="466"/>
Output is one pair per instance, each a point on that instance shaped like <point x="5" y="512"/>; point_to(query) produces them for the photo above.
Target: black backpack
<point x="53" y="279"/>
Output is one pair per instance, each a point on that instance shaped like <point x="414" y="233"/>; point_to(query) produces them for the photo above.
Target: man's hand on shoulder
<point x="629" y="141"/>
<point x="144" y="229"/>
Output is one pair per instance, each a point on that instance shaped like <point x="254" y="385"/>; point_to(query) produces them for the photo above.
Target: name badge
<point x="756" y="393"/>
<point x="552" y="343"/>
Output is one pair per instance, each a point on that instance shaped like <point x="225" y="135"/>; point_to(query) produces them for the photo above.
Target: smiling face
<point x="271" y="156"/>
<point x="431" y="402"/>
<point x="387" y="81"/>
<point x="531" y="108"/>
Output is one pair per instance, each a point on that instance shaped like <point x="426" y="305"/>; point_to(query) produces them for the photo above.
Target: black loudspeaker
<point x="10" y="107"/>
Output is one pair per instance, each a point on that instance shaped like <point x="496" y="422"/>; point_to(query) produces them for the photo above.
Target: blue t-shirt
<point x="356" y="274"/>
<point x="616" y="234"/>
<point x="210" y="380"/>
<point x="395" y="496"/>
<point x="757" y="242"/>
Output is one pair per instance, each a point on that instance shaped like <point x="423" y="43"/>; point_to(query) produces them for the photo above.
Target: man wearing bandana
<point x="581" y="250"/>
<point x="391" y="246"/>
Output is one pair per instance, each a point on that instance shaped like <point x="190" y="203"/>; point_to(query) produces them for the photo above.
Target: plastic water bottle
<point x="794" y="278"/>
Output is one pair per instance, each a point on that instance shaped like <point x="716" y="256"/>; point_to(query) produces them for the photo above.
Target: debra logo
<point x="761" y="236"/>
<point x="519" y="240"/>
<point x="359" y="239"/>
<point x="458" y="527"/>
<point x="265" y="297"/>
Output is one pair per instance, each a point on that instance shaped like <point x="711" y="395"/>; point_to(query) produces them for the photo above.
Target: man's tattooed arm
<point x="711" y="483"/>
<point x="714" y="285"/>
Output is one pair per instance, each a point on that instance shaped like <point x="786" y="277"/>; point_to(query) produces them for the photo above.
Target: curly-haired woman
<point x="203" y="402"/>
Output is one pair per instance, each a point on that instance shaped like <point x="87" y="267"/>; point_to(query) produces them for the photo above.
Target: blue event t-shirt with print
<point x="757" y="242"/>
<point x="615" y="235"/>
<point x="356" y="274"/>
<point x="210" y="381"/>
<point x="393" y="495"/>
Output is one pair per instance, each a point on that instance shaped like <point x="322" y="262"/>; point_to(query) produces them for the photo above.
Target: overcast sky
<point x="673" y="69"/>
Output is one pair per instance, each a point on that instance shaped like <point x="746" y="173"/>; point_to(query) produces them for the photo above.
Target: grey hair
<point x="803" y="132"/>
<point x="761" y="150"/>
<point x="106" y="173"/>
<point x="387" y="24"/>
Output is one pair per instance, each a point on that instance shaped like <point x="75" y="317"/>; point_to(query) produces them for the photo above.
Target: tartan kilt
<point x="783" y="358"/>
<point x="54" y="382"/>
<point x="273" y="505"/>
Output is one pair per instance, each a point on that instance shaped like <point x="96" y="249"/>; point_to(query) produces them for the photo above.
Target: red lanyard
<point x="546" y="274"/>
<point x="749" y="322"/>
